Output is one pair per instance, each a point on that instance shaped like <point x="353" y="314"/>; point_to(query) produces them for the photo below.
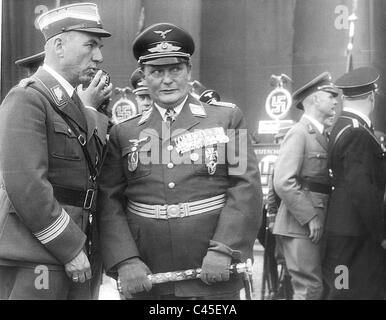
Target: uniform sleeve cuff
<point x="222" y="248"/>
<point x="63" y="238"/>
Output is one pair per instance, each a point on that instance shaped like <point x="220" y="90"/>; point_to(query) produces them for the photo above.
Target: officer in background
<point x="140" y="90"/>
<point x="355" y="231"/>
<point x="31" y="63"/>
<point x="282" y="286"/>
<point x="301" y="181"/>
<point x="51" y="146"/>
<point x="172" y="195"/>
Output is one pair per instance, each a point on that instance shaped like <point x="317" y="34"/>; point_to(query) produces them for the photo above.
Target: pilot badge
<point x="211" y="155"/>
<point x="132" y="161"/>
<point x="132" y="158"/>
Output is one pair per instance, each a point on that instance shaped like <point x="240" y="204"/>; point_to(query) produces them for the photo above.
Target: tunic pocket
<point x="317" y="162"/>
<point x="136" y="161"/>
<point x="65" y="143"/>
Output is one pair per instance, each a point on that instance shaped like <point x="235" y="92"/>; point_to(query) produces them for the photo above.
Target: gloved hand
<point x="133" y="277"/>
<point x="215" y="267"/>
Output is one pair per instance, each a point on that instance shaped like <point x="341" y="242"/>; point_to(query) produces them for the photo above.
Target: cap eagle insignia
<point x="209" y="94"/>
<point x="163" y="34"/>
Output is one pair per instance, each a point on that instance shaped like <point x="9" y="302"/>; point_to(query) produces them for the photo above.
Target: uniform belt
<point x="75" y="197"/>
<point x="180" y="210"/>
<point x="317" y="187"/>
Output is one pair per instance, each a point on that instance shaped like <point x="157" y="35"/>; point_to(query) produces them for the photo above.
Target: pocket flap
<point x="132" y="148"/>
<point x="318" y="155"/>
<point x="61" y="127"/>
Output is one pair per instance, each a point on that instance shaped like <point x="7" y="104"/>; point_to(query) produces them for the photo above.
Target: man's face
<point x="143" y="101"/>
<point x="168" y="84"/>
<point x="326" y="107"/>
<point x="81" y="57"/>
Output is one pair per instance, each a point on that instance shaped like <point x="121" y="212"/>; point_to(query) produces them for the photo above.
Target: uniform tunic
<point x="178" y="173"/>
<point x="355" y="225"/>
<point x="302" y="162"/>
<point x="38" y="152"/>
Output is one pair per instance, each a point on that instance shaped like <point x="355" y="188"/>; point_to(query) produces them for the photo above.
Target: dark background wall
<point x="239" y="43"/>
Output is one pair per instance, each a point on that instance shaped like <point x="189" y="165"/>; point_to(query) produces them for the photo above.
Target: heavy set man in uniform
<point x="301" y="181"/>
<point x="180" y="188"/>
<point x="50" y="148"/>
<point x="140" y="90"/>
<point x="355" y="227"/>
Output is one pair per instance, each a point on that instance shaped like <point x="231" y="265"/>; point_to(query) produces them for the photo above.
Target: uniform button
<point x="69" y="131"/>
<point x="171" y="185"/>
<point x="170" y="147"/>
<point x="170" y="165"/>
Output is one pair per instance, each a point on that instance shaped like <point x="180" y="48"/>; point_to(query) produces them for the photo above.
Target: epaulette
<point x="222" y="104"/>
<point x="132" y="117"/>
<point x="23" y="83"/>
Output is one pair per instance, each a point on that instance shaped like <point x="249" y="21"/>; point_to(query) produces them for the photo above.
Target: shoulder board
<point x="131" y="118"/>
<point x="25" y="82"/>
<point x="310" y="129"/>
<point x="223" y="104"/>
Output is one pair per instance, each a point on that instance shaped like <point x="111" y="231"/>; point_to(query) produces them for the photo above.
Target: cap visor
<point x="100" y="32"/>
<point x="31" y="59"/>
<point x="164" y="61"/>
<point x="335" y="93"/>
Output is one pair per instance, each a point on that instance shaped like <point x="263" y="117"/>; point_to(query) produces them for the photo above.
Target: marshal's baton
<point x="244" y="267"/>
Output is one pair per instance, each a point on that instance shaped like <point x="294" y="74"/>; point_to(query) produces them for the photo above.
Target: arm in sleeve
<point x="117" y="243"/>
<point x="287" y="170"/>
<point x="273" y="200"/>
<point x="241" y="216"/>
<point x="24" y="162"/>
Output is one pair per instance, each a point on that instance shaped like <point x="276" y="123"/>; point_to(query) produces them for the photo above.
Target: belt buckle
<point x="172" y="211"/>
<point x="88" y="199"/>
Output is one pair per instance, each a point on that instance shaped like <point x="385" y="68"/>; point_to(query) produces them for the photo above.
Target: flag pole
<point x="352" y="18"/>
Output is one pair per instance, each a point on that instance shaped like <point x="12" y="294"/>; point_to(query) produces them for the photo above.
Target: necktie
<point x="170" y="115"/>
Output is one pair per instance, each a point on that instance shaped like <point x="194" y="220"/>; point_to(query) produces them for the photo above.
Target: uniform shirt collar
<point x="315" y="122"/>
<point x="177" y="109"/>
<point x="63" y="82"/>
<point x="359" y="114"/>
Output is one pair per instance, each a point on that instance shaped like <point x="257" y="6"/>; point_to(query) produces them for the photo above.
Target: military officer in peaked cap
<point x="354" y="227"/>
<point x="51" y="146"/>
<point x="301" y="181"/>
<point x="140" y="90"/>
<point x="31" y="63"/>
<point x="172" y="197"/>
